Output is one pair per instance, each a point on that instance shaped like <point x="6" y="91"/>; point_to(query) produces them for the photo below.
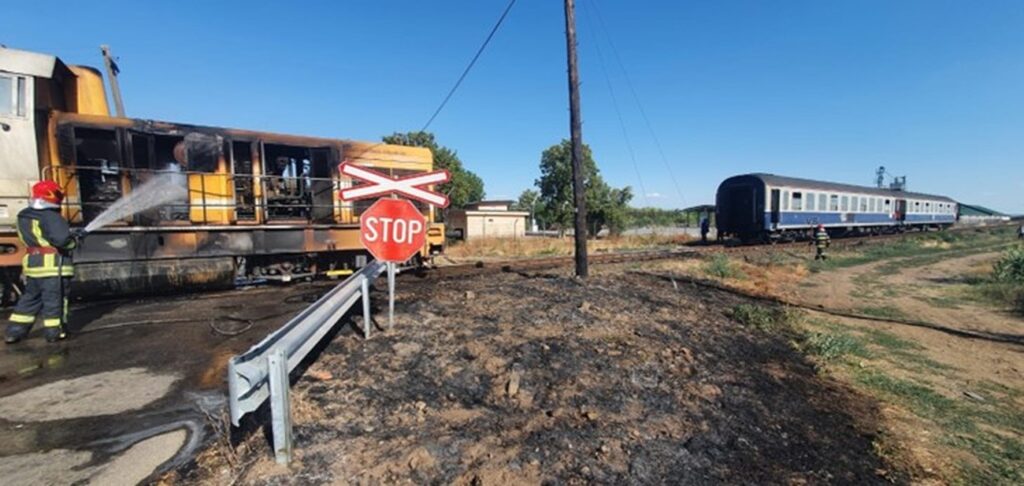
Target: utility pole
<point x="112" y="71"/>
<point x="576" y="130"/>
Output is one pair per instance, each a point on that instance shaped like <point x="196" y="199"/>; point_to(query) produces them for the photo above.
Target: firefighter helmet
<point x="48" y="191"/>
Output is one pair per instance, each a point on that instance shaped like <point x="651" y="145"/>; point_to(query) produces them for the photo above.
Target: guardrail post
<point x="280" y="405"/>
<point x="366" y="307"/>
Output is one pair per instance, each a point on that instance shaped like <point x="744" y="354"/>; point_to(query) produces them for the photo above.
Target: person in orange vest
<point x="47" y="266"/>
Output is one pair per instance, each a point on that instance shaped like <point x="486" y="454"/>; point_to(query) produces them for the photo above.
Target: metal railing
<point x="262" y="371"/>
<point x="268" y="197"/>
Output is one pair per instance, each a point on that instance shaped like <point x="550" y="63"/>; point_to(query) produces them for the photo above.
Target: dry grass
<point x="535" y="246"/>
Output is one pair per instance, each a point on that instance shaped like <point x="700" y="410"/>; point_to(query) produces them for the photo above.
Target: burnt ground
<point x="525" y="379"/>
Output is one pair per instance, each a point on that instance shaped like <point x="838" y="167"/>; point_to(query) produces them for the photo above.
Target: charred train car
<point x="766" y="207"/>
<point x="259" y="206"/>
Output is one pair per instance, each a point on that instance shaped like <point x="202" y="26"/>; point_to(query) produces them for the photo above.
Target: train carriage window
<point x="798" y="201"/>
<point x="98" y="169"/>
<point x="863" y="205"/>
<point x="917" y="206"/>
<point x="846" y="204"/>
<point x="785" y="200"/>
<point x="810" y="201"/>
<point x="833" y="202"/>
<point x="888" y="205"/>
<point x="871" y="205"/>
<point x="822" y="202"/>
<point x="853" y="203"/>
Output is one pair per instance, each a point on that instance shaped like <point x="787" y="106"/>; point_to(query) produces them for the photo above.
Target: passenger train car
<point x="766" y="207"/>
<point x="260" y="205"/>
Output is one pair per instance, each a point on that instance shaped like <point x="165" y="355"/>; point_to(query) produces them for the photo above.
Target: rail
<point x="262" y="371"/>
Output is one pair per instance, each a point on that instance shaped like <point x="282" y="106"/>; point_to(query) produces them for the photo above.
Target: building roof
<point x="499" y="202"/>
<point x="975" y="210"/>
<point x="775" y="180"/>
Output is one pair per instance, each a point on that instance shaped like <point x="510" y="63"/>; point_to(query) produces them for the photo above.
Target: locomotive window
<point x="12" y="96"/>
<point x="798" y="201"/>
<point x="6" y="95"/>
<point x="810" y="201"/>
<point x="785" y="200"/>
<point x="822" y="202"/>
<point x="203" y="152"/>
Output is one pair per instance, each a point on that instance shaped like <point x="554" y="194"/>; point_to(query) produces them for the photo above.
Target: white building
<point x="488" y="219"/>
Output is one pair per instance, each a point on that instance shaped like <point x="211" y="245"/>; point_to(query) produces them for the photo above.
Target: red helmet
<point x="48" y="191"/>
<point x="821" y="226"/>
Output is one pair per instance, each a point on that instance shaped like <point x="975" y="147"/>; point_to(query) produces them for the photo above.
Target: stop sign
<point x="393" y="230"/>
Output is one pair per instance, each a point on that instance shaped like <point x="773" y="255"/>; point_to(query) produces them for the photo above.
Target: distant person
<point x="821" y="242"/>
<point x="46" y="267"/>
<point x="705" y="227"/>
<point x="1020" y="232"/>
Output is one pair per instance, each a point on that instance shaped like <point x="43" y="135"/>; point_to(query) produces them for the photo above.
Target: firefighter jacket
<point x="821" y="239"/>
<point x="49" y="243"/>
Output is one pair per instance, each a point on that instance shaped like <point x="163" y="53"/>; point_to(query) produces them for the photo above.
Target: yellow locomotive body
<point x="260" y="205"/>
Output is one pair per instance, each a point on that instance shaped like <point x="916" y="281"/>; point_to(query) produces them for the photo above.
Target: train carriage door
<point x="901" y="210"/>
<point x="322" y="186"/>
<point x="242" y="180"/>
<point x="775" y="207"/>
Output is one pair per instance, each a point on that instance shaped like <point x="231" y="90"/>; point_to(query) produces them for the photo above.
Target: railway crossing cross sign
<point x="393" y="230"/>
<point x="381" y="184"/>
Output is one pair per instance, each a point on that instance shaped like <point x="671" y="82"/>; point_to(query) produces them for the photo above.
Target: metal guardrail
<point x="262" y="371"/>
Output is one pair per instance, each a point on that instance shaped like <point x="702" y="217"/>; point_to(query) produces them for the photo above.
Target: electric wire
<point x="636" y="99"/>
<point x="618" y="112"/>
<point x="469" y="67"/>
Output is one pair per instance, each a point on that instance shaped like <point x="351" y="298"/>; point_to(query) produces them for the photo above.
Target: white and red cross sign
<point x="380" y="184"/>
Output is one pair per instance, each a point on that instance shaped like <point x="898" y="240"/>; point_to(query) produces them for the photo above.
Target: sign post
<point x="392" y="229"/>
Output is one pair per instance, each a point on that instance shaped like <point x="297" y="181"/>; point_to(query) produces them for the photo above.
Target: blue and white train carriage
<point x="767" y="207"/>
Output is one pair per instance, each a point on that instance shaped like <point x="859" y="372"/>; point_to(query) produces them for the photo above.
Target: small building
<point x="974" y="214"/>
<point x="488" y="219"/>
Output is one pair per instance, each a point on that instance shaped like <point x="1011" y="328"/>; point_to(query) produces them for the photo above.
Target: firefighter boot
<point x="15" y="333"/>
<point x="54" y="334"/>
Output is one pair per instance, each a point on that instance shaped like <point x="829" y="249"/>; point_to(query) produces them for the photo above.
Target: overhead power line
<point x="618" y="113"/>
<point x="470" y="65"/>
<point x="636" y="99"/>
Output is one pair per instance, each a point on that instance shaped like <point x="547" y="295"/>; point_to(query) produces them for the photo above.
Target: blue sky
<point x="931" y="89"/>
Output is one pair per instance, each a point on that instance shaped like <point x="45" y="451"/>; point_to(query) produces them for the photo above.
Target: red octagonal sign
<point x="393" y="230"/>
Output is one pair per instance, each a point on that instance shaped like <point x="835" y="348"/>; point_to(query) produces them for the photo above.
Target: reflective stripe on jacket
<point x="821" y="239"/>
<point x="45" y="228"/>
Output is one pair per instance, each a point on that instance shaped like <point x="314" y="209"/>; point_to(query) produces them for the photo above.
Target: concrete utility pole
<point x="112" y="71"/>
<point x="576" y="130"/>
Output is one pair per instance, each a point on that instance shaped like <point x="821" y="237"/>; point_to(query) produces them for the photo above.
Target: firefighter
<point x="821" y="242"/>
<point x="46" y="266"/>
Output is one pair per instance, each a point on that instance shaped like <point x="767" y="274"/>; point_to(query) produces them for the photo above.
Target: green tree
<point x="529" y="200"/>
<point x="606" y="206"/>
<point x="464" y="186"/>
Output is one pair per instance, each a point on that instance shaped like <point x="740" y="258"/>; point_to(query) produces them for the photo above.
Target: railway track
<point x="695" y="250"/>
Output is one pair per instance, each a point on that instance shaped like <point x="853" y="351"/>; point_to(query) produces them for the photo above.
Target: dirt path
<point x="933" y="292"/>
